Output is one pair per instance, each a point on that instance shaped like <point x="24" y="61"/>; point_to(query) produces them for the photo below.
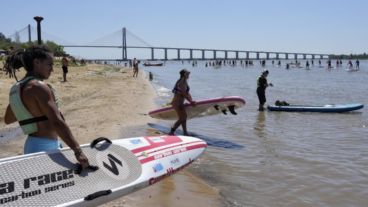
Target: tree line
<point x="351" y="56"/>
<point x="6" y="44"/>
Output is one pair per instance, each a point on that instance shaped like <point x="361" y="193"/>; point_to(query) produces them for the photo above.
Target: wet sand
<point x="102" y="100"/>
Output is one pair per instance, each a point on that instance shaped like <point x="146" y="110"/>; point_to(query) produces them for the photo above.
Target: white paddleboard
<point x="207" y="107"/>
<point x="124" y="166"/>
<point x="352" y="70"/>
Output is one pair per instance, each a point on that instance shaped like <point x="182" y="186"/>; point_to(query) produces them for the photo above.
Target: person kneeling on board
<point x="281" y="103"/>
<point x="181" y="92"/>
<point x="34" y="104"/>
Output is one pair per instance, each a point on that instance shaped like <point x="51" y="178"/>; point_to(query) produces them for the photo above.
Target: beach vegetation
<point x="6" y="44"/>
<point x="351" y="56"/>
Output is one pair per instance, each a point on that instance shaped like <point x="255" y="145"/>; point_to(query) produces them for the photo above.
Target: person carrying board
<point x="181" y="92"/>
<point x="34" y="104"/>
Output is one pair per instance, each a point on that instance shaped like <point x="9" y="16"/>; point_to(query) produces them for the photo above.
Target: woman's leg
<point x="262" y="99"/>
<point x="180" y="111"/>
<point x="184" y="123"/>
<point x="174" y="127"/>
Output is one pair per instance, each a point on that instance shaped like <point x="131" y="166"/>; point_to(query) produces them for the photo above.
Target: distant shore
<point x="102" y="100"/>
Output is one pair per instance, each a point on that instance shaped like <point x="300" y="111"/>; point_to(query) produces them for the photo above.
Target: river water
<point x="288" y="159"/>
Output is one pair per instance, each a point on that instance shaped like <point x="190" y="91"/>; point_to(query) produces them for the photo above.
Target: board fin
<point x="232" y="109"/>
<point x="216" y="107"/>
<point x="224" y="111"/>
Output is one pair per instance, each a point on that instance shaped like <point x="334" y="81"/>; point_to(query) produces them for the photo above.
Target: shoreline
<point x="104" y="100"/>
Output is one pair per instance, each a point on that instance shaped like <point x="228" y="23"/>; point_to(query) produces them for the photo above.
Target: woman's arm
<point x="9" y="116"/>
<point x="48" y="107"/>
<point x="183" y="86"/>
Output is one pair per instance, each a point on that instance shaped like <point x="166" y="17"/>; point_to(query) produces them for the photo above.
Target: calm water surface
<point x="289" y="159"/>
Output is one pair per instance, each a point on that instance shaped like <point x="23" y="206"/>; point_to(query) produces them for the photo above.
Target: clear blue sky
<point x="311" y="26"/>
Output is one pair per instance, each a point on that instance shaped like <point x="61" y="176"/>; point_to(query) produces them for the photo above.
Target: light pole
<point x="38" y="20"/>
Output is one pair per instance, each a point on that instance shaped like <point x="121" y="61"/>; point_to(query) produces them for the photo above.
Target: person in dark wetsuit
<point x="329" y="64"/>
<point x="357" y="64"/>
<point x="181" y="92"/>
<point x="261" y="89"/>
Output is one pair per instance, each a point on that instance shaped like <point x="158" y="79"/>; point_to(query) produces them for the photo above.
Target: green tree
<point x="56" y="49"/>
<point x="4" y="42"/>
<point x="4" y="39"/>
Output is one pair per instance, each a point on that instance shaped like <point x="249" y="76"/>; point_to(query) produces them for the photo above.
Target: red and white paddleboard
<point x="207" y="107"/>
<point x="120" y="167"/>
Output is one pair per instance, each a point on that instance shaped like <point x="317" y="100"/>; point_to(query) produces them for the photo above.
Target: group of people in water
<point x="329" y="64"/>
<point x="277" y="63"/>
<point x="34" y="104"/>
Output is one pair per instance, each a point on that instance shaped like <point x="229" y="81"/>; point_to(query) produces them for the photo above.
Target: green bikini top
<point x="26" y="120"/>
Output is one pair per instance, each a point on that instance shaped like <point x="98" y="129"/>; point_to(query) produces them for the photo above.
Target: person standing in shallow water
<point x="261" y="89"/>
<point x="181" y="92"/>
<point x="357" y="64"/>
<point x="34" y="104"/>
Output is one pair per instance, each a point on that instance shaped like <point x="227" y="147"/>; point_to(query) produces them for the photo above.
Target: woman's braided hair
<point x="24" y="58"/>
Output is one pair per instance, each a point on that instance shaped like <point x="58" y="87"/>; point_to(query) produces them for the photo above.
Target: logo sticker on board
<point x="157" y="167"/>
<point x="113" y="165"/>
<point x="136" y="141"/>
<point x="156" y="139"/>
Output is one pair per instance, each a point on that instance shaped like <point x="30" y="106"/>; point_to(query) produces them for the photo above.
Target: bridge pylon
<point x="124" y="45"/>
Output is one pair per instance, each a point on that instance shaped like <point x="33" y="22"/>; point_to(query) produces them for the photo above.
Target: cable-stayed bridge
<point x="123" y="42"/>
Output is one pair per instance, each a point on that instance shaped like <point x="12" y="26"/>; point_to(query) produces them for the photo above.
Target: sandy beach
<point x="103" y="100"/>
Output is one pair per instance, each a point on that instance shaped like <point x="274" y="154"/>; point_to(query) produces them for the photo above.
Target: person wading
<point x="261" y="89"/>
<point x="181" y="92"/>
